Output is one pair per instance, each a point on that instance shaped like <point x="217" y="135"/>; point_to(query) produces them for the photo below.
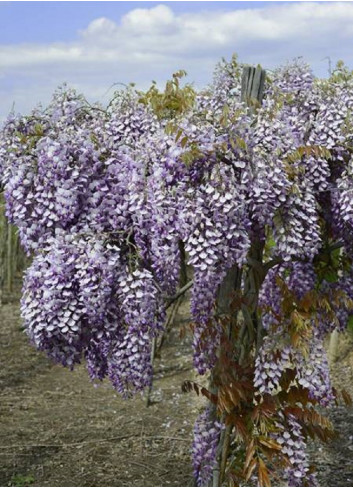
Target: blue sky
<point x="60" y="21"/>
<point x="92" y="45"/>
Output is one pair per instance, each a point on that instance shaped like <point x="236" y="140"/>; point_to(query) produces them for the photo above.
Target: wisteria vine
<point x="104" y="196"/>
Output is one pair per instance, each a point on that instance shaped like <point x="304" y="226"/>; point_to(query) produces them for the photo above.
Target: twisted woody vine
<point x="256" y="194"/>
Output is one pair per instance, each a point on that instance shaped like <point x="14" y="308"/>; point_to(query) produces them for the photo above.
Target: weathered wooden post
<point x="252" y="89"/>
<point x="252" y="84"/>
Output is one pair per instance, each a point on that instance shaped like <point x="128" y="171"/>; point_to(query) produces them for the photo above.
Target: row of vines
<point x="12" y="258"/>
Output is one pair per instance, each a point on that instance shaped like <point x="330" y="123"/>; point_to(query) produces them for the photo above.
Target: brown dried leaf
<point x="250" y="452"/>
<point x="251" y="468"/>
<point x="268" y="442"/>
<point x="239" y="427"/>
<point x="210" y="396"/>
<point x="264" y="479"/>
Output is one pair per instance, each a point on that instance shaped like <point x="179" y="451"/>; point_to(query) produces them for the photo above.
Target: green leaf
<point x="330" y="275"/>
<point x="184" y="141"/>
<point x="179" y="134"/>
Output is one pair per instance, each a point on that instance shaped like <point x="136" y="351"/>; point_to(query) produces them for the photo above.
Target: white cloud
<point x="157" y="19"/>
<point x="151" y="43"/>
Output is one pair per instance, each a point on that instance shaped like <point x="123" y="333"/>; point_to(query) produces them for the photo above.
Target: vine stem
<point x="169" y="323"/>
<point x="180" y="292"/>
<point x="150" y="387"/>
<point x="225" y="451"/>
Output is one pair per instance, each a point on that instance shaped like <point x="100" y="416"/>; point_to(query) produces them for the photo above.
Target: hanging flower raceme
<point x="293" y="446"/>
<point x="312" y="370"/>
<point x="206" y="436"/>
<point x="297" y="229"/>
<point x="130" y="368"/>
<point x="66" y="293"/>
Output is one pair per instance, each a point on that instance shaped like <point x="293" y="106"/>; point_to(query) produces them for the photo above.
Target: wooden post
<point x="252" y="89"/>
<point x="252" y="85"/>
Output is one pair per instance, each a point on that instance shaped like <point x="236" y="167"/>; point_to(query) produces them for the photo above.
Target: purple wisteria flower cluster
<point x="79" y="298"/>
<point x="293" y="444"/>
<point x="206" y="435"/>
<point x="277" y="354"/>
<point x="312" y="371"/>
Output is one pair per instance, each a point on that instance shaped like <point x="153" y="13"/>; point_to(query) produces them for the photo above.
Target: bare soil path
<point x="56" y="429"/>
<point x="334" y="462"/>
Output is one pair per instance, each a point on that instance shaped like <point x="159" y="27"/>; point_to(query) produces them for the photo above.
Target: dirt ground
<point x="334" y="462"/>
<point x="56" y="429"/>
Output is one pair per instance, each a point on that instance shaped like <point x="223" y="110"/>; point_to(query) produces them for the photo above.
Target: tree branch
<point x="227" y="161"/>
<point x="180" y="292"/>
